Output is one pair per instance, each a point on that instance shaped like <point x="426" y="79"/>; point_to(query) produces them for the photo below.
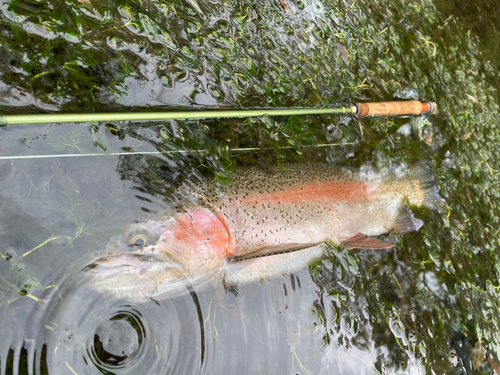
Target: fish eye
<point x="138" y="241"/>
<point x="138" y="236"/>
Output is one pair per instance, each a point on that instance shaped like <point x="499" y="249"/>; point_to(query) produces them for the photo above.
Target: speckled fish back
<point x="308" y="204"/>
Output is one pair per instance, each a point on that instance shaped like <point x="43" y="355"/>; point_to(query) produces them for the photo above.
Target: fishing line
<point x="167" y="152"/>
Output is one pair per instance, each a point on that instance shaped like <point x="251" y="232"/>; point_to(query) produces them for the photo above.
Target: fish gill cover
<point x="372" y="311"/>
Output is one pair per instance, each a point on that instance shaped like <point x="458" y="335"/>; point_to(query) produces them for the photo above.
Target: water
<point x="391" y="311"/>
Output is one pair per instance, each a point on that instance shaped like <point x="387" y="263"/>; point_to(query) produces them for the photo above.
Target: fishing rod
<point x="360" y="110"/>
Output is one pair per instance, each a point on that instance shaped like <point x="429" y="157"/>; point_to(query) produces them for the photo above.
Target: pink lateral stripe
<point x="318" y="191"/>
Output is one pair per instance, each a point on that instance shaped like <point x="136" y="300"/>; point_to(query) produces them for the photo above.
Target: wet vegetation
<point x="389" y="311"/>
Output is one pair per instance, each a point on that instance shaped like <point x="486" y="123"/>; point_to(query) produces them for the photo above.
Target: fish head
<point x="164" y="260"/>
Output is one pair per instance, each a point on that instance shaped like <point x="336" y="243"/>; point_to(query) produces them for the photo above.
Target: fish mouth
<point x="138" y="277"/>
<point x="139" y="263"/>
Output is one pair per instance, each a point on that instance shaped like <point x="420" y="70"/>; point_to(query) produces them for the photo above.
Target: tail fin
<point x="427" y="193"/>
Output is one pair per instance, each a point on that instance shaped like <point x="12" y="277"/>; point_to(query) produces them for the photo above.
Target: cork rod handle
<point x="412" y="107"/>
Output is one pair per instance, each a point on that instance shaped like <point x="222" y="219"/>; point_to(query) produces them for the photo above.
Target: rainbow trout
<point x="263" y="224"/>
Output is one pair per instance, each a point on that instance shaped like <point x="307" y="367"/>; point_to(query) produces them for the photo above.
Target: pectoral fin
<point x="360" y="241"/>
<point x="250" y="270"/>
<point x="274" y="250"/>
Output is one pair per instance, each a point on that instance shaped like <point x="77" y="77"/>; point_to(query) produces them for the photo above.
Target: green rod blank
<point x="158" y="116"/>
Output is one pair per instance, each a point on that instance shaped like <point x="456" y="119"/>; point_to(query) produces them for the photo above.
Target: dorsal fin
<point x="360" y="241"/>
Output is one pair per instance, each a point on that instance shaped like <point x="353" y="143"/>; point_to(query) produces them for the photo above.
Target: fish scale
<point x="308" y="203"/>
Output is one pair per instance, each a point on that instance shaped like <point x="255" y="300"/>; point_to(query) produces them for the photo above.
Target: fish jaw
<point x="137" y="277"/>
<point x="190" y="250"/>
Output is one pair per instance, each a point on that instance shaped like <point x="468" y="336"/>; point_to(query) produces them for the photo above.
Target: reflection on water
<point x="118" y="343"/>
<point x="385" y="311"/>
<point x="103" y="336"/>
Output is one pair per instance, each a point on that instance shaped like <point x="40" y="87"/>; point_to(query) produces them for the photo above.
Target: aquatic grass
<point x="72" y="143"/>
<point x="19" y="280"/>
<point x="229" y="49"/>
<point x="98" y="139"/>
<point x="302" y="368"/>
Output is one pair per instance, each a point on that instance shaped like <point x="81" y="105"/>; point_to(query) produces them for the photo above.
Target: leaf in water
<point x="343" y="53"/>
<point x="477" y="355"/>
<point x="195" y="6"/>
<point x="189" y="91"/>
<point x="283" y="4"/>
<point x="493" y="363"/>
<point x="98" y="138"/>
